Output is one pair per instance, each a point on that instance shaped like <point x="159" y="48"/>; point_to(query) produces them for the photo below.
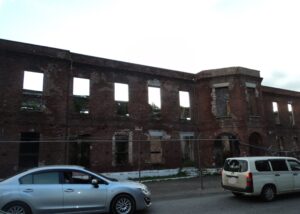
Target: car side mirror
<point x="95" y="183"/>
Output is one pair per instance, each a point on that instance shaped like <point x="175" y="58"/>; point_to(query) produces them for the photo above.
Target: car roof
<point x="262" y="158"/>
<point x="51" y="167"/>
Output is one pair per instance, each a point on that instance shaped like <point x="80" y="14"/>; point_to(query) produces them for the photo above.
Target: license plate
<point x="232" y="180"/>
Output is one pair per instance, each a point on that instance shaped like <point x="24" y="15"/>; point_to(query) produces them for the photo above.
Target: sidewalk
<point x="185" y="187"/>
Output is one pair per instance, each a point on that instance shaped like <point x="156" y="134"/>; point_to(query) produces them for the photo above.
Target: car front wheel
<point x="123" y="204"/>
<point x="17" y="208"/>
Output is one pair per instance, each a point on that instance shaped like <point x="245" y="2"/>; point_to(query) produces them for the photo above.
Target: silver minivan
<point x="261" y="176"/>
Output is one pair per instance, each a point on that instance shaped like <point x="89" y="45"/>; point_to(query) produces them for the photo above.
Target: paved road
<point x="225" y="203"/>
<point x="186" y="197"/>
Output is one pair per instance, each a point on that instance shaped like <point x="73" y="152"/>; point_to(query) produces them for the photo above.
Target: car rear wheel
<point x="17" y="208"/>
<point x="123" y="204"/>
<point x="268" y="193"/>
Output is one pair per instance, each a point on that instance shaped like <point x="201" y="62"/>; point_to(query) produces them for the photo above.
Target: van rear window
<point x="262" y="166"/>
<point x="233" y="165"/>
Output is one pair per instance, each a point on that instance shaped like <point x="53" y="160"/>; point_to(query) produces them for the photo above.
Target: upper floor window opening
<point x="122" y="98"/>
<point x="185" y="106"/>
<point x="33" y="81"/>
<point x="32" y="91"/>
<point x="276" y="112"/>
<point x="291" y="114"/>
<point x="154" y="100"/>
<point x="251" y="97"/>
<point x="81" y="92"/>
<point x="81" y="87"/>
<point x="222" y="101"/>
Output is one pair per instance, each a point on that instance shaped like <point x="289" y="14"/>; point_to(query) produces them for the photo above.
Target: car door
<point x="284" y="180"/>
<point x="80" y="195"/>
<point x="43" y="191"/>
<point x="295" y="167"/>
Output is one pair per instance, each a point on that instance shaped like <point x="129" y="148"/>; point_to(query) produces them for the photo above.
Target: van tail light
<point x="249" y="184"/>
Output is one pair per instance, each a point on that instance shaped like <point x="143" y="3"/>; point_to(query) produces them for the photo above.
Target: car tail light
<point x="249" y="184"/>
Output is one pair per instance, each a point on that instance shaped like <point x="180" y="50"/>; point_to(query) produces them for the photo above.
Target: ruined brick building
<point x="163" y="118"/>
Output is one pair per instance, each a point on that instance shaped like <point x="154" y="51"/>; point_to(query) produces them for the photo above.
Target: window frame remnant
<point x="81" y="98"/>
<point x="121" y="95"/>
<point x="185" y="105"/>
<point x="276" y="112"/>
<point x="32" y="93"/>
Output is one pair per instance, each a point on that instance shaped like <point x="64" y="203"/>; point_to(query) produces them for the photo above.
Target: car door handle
<point x="277" y="174"/>
<point x="28" y="190"/>
<point x="295" y="174"/>
<point x="69" y="190"/>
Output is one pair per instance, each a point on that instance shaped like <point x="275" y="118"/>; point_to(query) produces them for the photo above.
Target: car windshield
<point x="234" y="165"/>
<point x="108" y="178"/>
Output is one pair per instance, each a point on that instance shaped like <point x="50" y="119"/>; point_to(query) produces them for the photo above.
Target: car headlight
<point x="145" y="190"/>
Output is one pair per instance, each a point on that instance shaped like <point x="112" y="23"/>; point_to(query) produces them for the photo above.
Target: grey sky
<point x="184" y="35"/>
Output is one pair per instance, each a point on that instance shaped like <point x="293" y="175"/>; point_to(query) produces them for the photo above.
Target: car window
<point x="234" y="165"/>
<point x="77" y="177"/>
<point x="295" y="165"/>
<point x="27" y="179"/>
<point x="279" y="165"/>
<point x="41" y="178"/>
<point x="262" y="166"/>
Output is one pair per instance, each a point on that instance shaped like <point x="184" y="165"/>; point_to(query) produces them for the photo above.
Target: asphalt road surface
<point x="187" y="197"/>
<point x="224" y="202"/>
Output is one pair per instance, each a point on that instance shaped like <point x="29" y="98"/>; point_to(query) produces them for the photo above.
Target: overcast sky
<point x="183" y="35"/>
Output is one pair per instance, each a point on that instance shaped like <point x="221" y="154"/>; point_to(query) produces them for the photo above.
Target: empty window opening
<point x="29" y="150"/>
<point x="295" y="143"/>
<point x="79" y="152"/>
<point x="276" y="112"/>
<point x="185" y="108"/>
<point x="81" y="93"/>
<point x="187" y="149"/>
<point x="222" y="102"/>
<point x="275" y="107"/>
<point x="121" y="150"/>
<point x="252" y="101"/>
<point x="33" y="81"/>
<point x="32" y="91"/>
<point x="154" y="100"/>
<point x="280" y="141"/>
<point x="81" y="87"/>
<point x="226" y="145"/>
<point x="122" y="98"/>
<point x="291" y="114"/>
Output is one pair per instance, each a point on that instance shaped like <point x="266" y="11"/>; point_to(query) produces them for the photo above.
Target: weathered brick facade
<point x="226" y="105"/>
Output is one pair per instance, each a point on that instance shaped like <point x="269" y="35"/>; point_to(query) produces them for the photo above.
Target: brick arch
<point x="226" y="145"/>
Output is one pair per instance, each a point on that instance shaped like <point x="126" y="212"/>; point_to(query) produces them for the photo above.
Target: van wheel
<point x="268" y="193"/>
